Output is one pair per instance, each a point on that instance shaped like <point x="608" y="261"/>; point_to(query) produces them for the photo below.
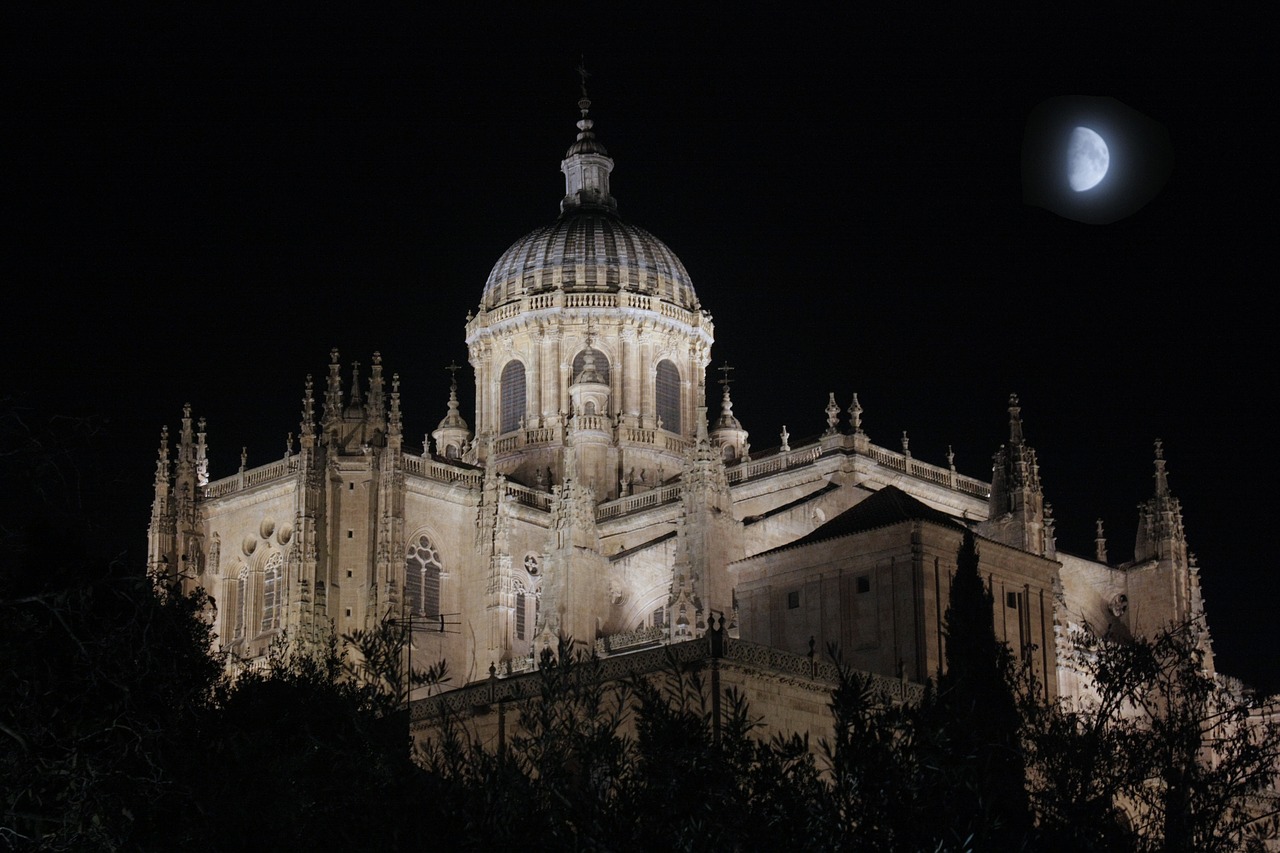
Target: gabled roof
<point x="888" y="506"/>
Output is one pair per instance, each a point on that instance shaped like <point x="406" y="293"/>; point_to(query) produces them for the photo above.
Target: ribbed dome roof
<point x="589" y="250"/>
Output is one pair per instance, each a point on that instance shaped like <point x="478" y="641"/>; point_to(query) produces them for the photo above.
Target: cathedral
<point x="601" y="493"/>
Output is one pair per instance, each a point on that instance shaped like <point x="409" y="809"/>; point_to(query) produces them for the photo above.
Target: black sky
<point x="202" y="204"/>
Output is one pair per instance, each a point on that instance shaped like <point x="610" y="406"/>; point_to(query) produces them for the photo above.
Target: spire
<point x="202" y="454"/>
<point x="1160" y="530"/>
<point x="586" y="165"/>
<point x="186" y="449"/>
<point x="307" y="425"/>
<point x="333" y="393"/>
<point x="1162" y="478"/>
<point x="375" y="404"/>
<point x="162" y="460"/>
<point x="1015" y="421"/>
<point x="1100" y="544"/>
<point x="394" y="424"/>
<point x="357" y="399"/>
<point x="1016" y="505"/>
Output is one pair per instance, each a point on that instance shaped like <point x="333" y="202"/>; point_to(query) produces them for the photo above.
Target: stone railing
<point x="441" y="472"/>
<point x="284" y="468"/>
<point x="528" y="496"/>
<point x="629" y="640"/>
<point x="796" y="458"/>
<point x="931" y="473"/>
<point x="643" y="500"/>
<point x="593" y="423"/>
<point x="773" y="464"/>
<point x="560" y="299"/>
<point x="522" y="684"/>
<point x="526" y="438"/>
<point x="655" y="438"/>
<point x="261" y="475"/>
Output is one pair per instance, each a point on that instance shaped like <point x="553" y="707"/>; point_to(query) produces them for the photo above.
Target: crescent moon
<point x="1087" y="159"/>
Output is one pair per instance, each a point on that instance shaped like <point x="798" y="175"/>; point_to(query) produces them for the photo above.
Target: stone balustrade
<point x="560" y="300"/>
<point x="638" y="501"/>
<point x="513" y="682"/>
<point x="529" y="497"/>
<point x="761" y="467"/>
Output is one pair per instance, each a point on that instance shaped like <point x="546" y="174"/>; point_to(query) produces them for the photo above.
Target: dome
<point x="589" y="250"/>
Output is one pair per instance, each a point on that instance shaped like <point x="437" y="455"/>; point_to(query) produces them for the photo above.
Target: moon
<point x="1087" y="159"/>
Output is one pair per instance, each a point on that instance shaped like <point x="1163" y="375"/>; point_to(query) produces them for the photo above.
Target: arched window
<point x="512" y="396"/>
<point x="668" y="394"/>
<point x="601" y="364"/>
<point x="520" y="613"/>
<point x="241" y="602"/>
<point x="271" y="589"/>
<point x="422" y="578"/>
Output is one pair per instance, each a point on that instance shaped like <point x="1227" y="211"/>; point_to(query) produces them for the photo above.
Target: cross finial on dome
<point x="725" y="380"/>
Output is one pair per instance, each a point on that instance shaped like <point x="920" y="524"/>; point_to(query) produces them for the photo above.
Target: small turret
<point x="586" y="164"/>
<point x="728" y="434"/>
<point x="452" y="436"/>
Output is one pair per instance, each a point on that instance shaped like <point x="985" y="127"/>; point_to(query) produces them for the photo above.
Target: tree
<point x="969" y="730"/>
<point x="874" y="769"/>
<point x="304" y="755"/>
<point x="101" y="680"/>
<point x="1162" y="756"/>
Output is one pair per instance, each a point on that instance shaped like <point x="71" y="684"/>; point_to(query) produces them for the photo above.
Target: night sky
<point x="202" y="204"/>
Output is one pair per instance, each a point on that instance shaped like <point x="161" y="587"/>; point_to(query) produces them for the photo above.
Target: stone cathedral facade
<point x="593" y="495"/>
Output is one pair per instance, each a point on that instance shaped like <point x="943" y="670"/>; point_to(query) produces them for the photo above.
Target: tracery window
<point x="513" y="396"/>
<point x="520" y="614"/>
<point x="241" y="602"/>
<point x="271" y="589"/>
<point x="668" y="395"/>
<point x="601" y="364"/>
<point x="422" y="578"/>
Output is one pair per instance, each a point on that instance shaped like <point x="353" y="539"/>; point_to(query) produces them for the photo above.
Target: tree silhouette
<point x="970" y="729"/>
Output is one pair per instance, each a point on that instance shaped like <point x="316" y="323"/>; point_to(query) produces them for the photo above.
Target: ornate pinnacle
<point x="833" y="414"/>
<point x="1015" y="420"/>
<point x="855" y="413"/>
<point x="1162" y="478"/>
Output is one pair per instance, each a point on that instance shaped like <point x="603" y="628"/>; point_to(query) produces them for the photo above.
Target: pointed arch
<point x="272" y="587"/>
<point x="423" y="568"/>
<point x="241" y="605"/>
